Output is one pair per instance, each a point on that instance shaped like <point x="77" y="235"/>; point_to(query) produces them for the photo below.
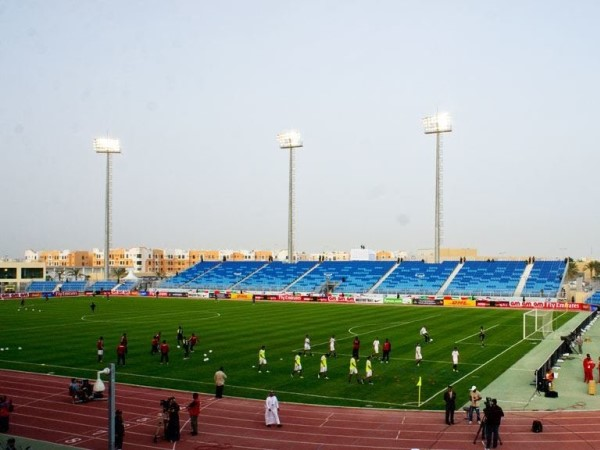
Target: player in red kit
<point x="154" y="349"/>
<point x="387" y="348"/>
<point x="121" y="350"/>
<point x="355" y="347"/>
<point x="164" y="352"/>
<point x="193" y="342"/>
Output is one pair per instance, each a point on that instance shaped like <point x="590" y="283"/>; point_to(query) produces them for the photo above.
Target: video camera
<point x="165" y="404"/>
<point x="488" y="402"/>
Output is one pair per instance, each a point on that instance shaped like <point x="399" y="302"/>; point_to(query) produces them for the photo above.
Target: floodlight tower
<point x="109" y="147"/>
<point x="438" y="124"/>
<point x="291" y="140"/>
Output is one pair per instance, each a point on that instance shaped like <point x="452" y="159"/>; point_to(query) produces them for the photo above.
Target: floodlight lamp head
<point x="107" y="145"/>
<point x="440" y="123"/>
<point x="290" y="139"/>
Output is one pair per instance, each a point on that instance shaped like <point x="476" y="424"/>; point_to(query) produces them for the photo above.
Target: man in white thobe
<point x="272" y="410"/>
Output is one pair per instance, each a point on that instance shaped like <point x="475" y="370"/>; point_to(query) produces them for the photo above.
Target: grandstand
<point x="188" y="275"/>
<point x="545" y="279"/>
<point x="594" y="299"/>
<point x="100" y="286"/>
<point x="489" y="278"/>
<point x="42" y="286"/>
<point x="343" y="276"/>
<point x="73" y="286"/>
<point x="275" y="276"/>
<point x="450" y="278"/>
<point x="417" y="277"/>
<point x="126" y="286"/>
<point x="225" y="275"/>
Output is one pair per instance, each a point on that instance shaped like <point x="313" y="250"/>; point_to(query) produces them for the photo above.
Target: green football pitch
<point x="59" y="336"/>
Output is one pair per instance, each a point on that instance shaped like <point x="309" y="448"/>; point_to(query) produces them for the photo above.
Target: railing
<point x="567" y="345"/>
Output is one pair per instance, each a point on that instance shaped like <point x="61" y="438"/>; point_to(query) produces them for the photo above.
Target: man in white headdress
<point x="272" y="410"/>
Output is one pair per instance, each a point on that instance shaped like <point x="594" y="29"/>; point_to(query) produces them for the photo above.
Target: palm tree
<point x="59" y="273"/>
<point x="119" y="272"/>
<point x="597" y="268"/>
<point x="572" y="270"/>
<point x="75" y="272"/>
<point x="592" y="266"/>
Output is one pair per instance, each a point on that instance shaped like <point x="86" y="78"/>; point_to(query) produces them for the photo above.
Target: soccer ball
<point x="431" y="340"/>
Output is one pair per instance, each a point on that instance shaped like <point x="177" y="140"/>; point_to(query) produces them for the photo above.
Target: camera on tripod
<point x="488" y="402"/>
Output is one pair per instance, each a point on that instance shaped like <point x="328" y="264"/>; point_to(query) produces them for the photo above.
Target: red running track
<point x="44" y="411"/>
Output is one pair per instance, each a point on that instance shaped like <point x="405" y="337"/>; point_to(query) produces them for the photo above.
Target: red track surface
<point x="44" y="411"/>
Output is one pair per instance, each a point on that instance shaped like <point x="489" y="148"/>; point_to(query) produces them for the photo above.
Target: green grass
<point x="59" y="336"/>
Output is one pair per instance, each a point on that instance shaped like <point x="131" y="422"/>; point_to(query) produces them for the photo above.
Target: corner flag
<point x="419" y="382"/>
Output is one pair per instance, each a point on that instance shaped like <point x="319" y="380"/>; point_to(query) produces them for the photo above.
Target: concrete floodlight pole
<point x="438" y="124"/>
<point x="291" y="140"/>
<point x="111" y="406"/>
<point x="109" y="147"/>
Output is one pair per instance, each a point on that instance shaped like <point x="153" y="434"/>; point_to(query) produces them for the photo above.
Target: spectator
<point x="119" y="429"/>
<point x="6" y="407"/>
<point x="588" y="369"/>
<point x="194" y="411"/>
<point x="579" y="343"/>
<point x="272" y="410"/>
<point x="450" y="400"/>
<point x="220" y="378"/>
<point x="474" y="398"/>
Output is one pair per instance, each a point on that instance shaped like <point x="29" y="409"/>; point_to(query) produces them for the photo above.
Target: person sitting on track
<point x="75" y="391"/>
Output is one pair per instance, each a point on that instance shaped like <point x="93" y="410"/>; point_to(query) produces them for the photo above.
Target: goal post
<point x="538" y="323"/>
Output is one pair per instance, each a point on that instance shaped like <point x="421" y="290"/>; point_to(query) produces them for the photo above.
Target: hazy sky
<point x="198" y="90"/>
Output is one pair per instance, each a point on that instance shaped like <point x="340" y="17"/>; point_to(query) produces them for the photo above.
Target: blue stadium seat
<point x="417" y="278"/>
<point x="489" y="278"/>
<point x="546" y="277"/>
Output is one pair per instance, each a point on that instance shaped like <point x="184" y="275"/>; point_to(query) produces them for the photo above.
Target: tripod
<point x="479" y="431"/>
<point x="482" y="431"/>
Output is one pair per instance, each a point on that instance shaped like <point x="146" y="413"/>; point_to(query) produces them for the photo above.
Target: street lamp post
<point x="109" y="147"/>
<point x="438" y="124"/>
<point x="291" y="140"/>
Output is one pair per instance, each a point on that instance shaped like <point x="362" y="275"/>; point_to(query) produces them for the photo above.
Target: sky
<point x="197" y="91"/>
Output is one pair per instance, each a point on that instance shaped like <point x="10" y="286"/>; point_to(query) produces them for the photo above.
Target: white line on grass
<point x="475" y="334"/>
<point x="396" y="324"/>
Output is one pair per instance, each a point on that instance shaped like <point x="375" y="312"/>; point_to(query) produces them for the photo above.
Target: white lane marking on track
<point x="326" y="420"/>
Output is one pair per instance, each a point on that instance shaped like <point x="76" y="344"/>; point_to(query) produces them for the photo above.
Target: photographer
<point x="172" y="432"/>
<point x="492" y="416"/>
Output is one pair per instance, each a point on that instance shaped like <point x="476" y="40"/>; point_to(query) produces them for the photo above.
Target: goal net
<point x="537" y="324"/>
